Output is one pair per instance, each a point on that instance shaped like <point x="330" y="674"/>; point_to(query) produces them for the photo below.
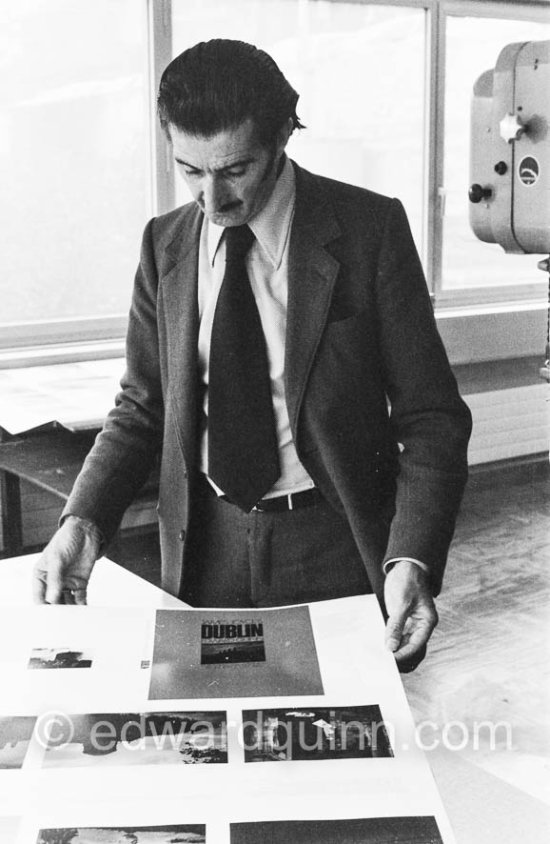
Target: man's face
<point x="230" y="175"/>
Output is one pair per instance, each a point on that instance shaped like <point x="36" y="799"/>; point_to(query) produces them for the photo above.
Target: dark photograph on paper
<point x="235" y="642"/>
<point x="146" y="738"/>
<point x="182" y="833"/>
<point x="234" y="653"/>
<point x="402" y="830"/>
<point x="59" y="658"/>
<point x="15" y="736"/>
<point x="284" y="735"/>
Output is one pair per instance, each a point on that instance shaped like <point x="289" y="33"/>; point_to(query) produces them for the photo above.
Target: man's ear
<point x="283" y="135"/>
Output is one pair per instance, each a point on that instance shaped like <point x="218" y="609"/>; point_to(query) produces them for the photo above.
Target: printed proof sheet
<point x="215" y="726"/>
<point x="234" y="654"/>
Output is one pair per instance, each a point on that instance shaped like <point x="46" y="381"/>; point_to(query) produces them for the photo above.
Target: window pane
<point x="359" y="70"/>
<point x="73" y="158"/>
<point x="473" y="46"/>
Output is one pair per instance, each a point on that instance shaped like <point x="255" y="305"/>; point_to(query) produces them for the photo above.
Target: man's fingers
<point x="54" y="593"/>
<point x="412" y="614"/>
<point x="412" y="645"/>
<point x="394" y="630"/>
<point x="62" y="572"/>
<point x="412" y="662"/>
<point x="411" y="654"/>
<point x="55" y="583"/>
<point x="39" y="587"/>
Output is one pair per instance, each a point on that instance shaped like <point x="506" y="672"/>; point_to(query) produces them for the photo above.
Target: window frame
<point x="483" y="315"/>
<point x="482" y="323"/>
<point x="523" y="10"/>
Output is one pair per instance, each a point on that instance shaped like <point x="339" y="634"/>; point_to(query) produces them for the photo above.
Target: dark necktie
<point x="243" y="458"/>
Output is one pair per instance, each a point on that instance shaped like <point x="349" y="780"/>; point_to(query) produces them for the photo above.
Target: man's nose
<point x="214" y="195"/>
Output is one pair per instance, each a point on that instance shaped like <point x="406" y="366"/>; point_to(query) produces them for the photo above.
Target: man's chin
<point x="235" y="217"/>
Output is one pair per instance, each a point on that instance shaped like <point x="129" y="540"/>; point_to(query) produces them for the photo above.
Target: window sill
<point x="53" y="353"/>
<point x="471" y="333"/>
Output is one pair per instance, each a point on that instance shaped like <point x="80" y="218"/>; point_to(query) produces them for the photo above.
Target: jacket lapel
<point x="312" y="274"/>
<point x="181" y="319"/>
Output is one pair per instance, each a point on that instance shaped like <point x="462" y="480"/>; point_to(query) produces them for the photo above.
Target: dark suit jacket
<point x="360" y="336"/>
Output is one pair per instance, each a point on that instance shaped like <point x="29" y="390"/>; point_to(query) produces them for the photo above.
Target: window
<point x="385" y="94"/>
<point x="73" y="160"/>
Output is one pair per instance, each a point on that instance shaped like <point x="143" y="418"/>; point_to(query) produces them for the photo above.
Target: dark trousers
<point x="256" y="559"/>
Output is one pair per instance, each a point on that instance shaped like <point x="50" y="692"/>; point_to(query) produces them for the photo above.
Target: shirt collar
<point x="271" y="225"/>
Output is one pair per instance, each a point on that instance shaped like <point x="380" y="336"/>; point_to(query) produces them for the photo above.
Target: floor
<point x="483" y="686"/>
<point x="488" y="660"/>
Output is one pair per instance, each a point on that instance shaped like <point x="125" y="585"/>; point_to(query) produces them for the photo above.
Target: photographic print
<point x="59" y="658"/>
<point x="180" y="833"/>
<point x="229" y="653"/>
<point x="15" y="736"/>
<point x="236" y="642"/>
<point x="402" y="830"/>
<point x="282" y="735"/>
<point x="152" y="738"/>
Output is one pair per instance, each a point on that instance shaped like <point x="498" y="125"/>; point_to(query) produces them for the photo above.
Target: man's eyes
<point x="226" y="174"/>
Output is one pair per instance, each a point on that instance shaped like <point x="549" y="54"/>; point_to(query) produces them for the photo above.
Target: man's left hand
<point x="412" y="615"/>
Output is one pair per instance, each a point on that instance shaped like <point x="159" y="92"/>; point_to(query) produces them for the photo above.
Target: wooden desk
<point x="51" y="460"/>
<point x="49" y="416"/>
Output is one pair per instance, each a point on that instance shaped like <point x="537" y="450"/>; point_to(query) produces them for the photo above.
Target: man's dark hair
<point x="217" y="85"/>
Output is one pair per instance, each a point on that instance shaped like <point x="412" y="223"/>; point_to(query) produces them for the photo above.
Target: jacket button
<point x="182" y="535"/>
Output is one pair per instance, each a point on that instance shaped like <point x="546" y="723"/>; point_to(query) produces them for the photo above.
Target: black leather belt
<point x="279" y="504"/>
<point x="293" y="501"/>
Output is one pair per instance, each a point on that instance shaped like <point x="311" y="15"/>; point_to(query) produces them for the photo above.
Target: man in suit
<point x="274" y="323"/>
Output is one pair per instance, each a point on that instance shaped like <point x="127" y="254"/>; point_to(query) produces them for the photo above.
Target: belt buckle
<point x="290" y="505"/>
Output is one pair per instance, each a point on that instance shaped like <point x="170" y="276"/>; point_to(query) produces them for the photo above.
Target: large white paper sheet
<point x="137" y="783"/>
<point x="9" y="827"/>
<point x="110" y="586"/>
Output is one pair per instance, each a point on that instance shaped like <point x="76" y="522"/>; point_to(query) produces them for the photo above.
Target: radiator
<point x="509" y="423"/>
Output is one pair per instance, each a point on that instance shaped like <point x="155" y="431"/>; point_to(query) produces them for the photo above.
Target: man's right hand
<point x="63" y="569"/>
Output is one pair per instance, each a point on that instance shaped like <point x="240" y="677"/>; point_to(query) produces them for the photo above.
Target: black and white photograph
<point x="151" y="738"/>
<point x="15" y="736"/>
<point x="181" y="833"/>
<point x="234" y="641"/>
<point x="45" y="658"/>
<point x="274" y="404"/>
<point x="398" y="830"/>
<point x="226" y="653"/>
<point x="282" y="735"/>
